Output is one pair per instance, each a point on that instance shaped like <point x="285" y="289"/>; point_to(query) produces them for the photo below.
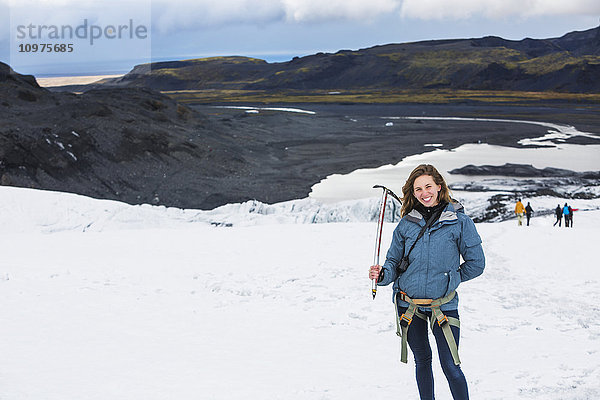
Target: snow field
<point x="165" y="307"/>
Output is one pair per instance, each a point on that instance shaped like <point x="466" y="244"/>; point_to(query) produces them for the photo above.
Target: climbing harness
<point x="437" y="316"/>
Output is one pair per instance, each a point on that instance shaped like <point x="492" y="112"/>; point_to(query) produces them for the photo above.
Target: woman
<point x="424" y="287"/>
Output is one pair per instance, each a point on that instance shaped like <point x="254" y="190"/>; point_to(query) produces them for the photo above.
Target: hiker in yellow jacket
<point x="519" y="210"/>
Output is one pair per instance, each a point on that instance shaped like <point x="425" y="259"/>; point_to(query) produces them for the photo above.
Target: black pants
<point x="558" y="219"/>
<point x="418" y="340"/>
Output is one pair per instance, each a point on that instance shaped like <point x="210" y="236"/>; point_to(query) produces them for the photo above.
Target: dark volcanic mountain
<point x="570" y="64"/>
<point x="134" y="145"/>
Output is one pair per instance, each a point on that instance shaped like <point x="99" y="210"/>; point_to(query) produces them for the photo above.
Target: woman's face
<point x="426" y="191"/>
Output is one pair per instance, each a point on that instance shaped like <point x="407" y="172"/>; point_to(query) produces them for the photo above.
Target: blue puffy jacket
<point x="435" y="269"/>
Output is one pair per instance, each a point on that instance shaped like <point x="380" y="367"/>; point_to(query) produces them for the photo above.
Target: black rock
<point x="132" y="144"/>
<point x="521" y="170"/>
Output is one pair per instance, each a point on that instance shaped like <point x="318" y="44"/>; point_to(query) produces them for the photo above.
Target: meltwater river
<point x="550" y="150"/>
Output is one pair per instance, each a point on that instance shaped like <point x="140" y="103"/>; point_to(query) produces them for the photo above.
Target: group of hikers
<point x="565" y="211"/>
<point x="527" y="211"/>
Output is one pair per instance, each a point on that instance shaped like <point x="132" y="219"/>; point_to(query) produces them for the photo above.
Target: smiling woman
<point x="425" y="280"/>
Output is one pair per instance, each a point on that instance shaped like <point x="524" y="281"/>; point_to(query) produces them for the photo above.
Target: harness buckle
<point x="441" y="321"/>
<point x="404" y="320"/>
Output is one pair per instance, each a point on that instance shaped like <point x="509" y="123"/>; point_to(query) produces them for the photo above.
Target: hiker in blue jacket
<point x="567" y="215"/>
<point x="424" y="287"/>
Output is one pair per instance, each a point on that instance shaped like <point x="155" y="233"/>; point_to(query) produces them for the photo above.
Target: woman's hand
<point x="374" y="272"/>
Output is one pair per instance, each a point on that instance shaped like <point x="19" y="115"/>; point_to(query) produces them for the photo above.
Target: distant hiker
<point x="567" y="215"/>
<point x="558" y="212"/>
<point x="519" y="210"/>
<point x="570" y="217"/>
<point x="425" y="280"/>
<point x="528" y="212"/>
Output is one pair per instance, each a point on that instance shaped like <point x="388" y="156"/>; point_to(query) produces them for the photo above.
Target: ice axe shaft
<point x="378" y="239"/>
<point x="380" y="230"/>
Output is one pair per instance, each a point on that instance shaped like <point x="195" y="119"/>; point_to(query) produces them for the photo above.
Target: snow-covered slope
<point x="27" y="210"/>
<point x="101" y="300"/>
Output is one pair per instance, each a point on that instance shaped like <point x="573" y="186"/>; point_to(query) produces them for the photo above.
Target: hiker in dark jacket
<point x="570" y="217"/>
<point x="528" y="212"/>
<point x="558" y="212"/>
<point x="426" y="289"/>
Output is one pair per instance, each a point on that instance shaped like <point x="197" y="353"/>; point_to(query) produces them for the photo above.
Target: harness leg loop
<point x="403" y="322"/>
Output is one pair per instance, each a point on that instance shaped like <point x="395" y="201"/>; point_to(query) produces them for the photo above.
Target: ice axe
<point x="384" y="196"/>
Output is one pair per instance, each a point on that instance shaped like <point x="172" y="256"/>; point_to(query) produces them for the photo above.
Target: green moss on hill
<point x="568" y="64"/>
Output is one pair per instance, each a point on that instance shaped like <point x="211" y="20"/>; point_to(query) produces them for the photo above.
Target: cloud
<point x="177" y="15"/>
<point x="495" y="9"/>
<point x="319" y="10"/>
<point x="174" y="16"/>
<point x="59" y="12"/>
<point x="167" y="16"/>
<point x="200" y="13"/>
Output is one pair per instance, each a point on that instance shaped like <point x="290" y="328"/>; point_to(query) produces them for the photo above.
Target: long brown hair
<point x="408" y="197"/>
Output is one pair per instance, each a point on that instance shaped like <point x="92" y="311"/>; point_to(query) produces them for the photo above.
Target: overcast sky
<point x="275" y="30"/>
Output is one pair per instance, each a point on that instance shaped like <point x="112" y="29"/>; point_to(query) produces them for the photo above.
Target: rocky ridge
<point x="570" y="63"/>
